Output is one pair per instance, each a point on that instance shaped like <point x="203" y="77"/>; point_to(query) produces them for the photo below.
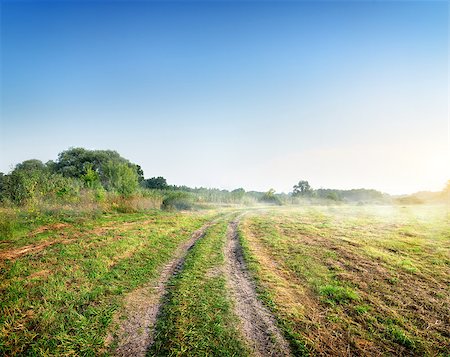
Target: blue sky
<point x="233" y="94"/>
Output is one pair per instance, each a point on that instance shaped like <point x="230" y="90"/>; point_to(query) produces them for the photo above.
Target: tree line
<point x="103" y="171"/>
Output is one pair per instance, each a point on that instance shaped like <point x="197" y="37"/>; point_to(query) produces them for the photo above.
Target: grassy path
<point x="256" y="322"/>
<point x="212" y="307"/>
<point x="197" y="318"/>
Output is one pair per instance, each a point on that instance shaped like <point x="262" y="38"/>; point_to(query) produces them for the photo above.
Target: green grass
<point x="198" y="319"/>
<point x="372" y="279"/>
<point x="60" y="300"/>
<point x="367" y="279"/>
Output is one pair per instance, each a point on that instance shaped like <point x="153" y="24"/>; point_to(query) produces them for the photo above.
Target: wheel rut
<point x="142" y="306"/>
<point x="256" y="322"/>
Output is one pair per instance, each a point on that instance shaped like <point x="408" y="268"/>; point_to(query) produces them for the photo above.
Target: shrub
<point x="7" y="221"/>
<point x="120" y="177"/>
<point x="177" y="200"/>
<point x="270" y="197"/>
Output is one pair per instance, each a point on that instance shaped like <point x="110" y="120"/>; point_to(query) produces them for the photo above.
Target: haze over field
<point x="233" y="94"/>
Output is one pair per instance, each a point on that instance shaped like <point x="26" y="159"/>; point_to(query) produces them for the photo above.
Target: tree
<point x="156" y="183"/>
<point x="140" y="173"/>
<point x="104" y="166"/>
<point x="302" y="189"/>
<point x="3" y="183"/>
<point x="31" y="166"/>
<point x="270" y="197"/>
<point x="120" y="177"/>
<point x="91" y="177"/>
<point x="31" y="180"/>
<point x="237" y="194"/>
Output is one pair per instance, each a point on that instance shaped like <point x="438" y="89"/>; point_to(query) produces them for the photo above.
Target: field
<point x="333" y="280"/>
<point x="358" y="280"/>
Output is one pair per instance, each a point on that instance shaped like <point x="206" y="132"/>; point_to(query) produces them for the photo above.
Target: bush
<point x="270" y="197"/>
<point x="29" y="183"/>
<point x="7" y="221"/>
<point x="177" y="200"/>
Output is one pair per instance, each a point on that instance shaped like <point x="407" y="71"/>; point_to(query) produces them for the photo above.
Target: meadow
<point x="342" y="279"/>
<point x="352" y="279"/>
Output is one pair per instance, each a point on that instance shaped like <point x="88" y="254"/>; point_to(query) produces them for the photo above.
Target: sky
<point x="228" y="94"/>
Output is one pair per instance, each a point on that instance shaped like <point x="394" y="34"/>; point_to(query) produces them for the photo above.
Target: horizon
<point x="256" y="95"/>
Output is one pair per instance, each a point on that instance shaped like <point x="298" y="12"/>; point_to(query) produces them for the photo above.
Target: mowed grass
<point x="58" y="298"/>
<point x="363" y="280"/>
<point x="197" y="319"/>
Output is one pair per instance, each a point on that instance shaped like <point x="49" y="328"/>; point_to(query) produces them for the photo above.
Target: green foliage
<point x="91" y="178"/>
<point x="334" y="196"/>
<point x="120" y="177"/>
<point x="156" y="183"/>
<point x="7" y="221"/>
<point x="177" y="200"/>
<point x="106" y="166"/>
<point x="238" y="194"/>
<point x="302" y="189"/>
<point x="32" y="181"/>
<point x="270" y="197"/>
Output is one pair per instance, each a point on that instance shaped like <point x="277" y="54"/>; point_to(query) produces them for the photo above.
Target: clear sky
<point x="233" y="94"/>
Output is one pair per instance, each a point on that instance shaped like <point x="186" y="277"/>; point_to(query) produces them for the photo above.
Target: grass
<point x="197" y="319"/>
<point x="365" y="280"/>
<point x="59" y="299"/>
<point x="369" y="280"/>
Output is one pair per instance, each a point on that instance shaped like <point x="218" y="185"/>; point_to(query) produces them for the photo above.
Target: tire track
<point x="257" y="324"/>
<point x="142" y="307"/>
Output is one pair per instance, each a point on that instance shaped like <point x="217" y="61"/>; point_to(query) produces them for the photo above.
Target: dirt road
<point x="142" y="306"/>
<point x="257" y="324"/>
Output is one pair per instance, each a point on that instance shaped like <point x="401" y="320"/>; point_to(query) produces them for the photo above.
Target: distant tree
<point x="140" y="173"/>
<point x="270" y="197"/>
<point x="334" y="196"/>
<point x="156" y="183"/>
<point x="237" y="194"/>
<point x="31" y="166"/>
<point x="302" y="189"/>
<point x="104" y="165"/>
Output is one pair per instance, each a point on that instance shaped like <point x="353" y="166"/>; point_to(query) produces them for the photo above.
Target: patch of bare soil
<point x="51" y="227"/>
<point x="257" y="324"/>
<point x="142" y="306"/>
<point x="28" y="249"/>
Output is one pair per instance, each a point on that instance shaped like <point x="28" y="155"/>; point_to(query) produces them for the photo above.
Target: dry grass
<point x="358" y="280"/>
